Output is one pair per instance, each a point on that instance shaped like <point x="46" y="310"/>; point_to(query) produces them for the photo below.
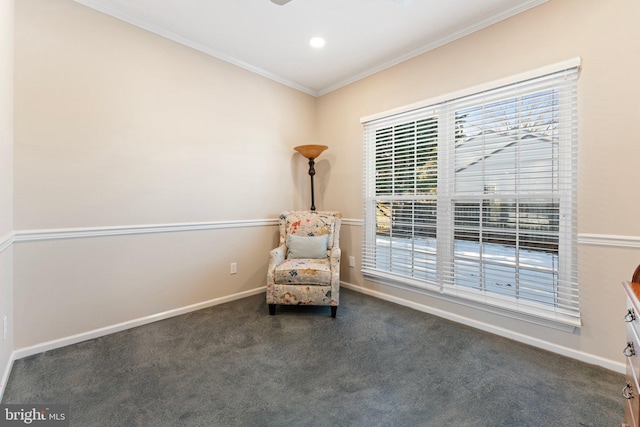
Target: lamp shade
<point x="310" y="151"/>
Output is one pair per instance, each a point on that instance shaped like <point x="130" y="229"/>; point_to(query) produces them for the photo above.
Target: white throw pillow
<point x="307" y="246"/>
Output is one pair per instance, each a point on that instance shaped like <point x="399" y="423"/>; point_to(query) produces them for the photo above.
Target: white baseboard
<point x="107" y="330"/>
<point x="85" y="336"/>
<point x="496" y="330"/>
<point x="6" y="373"/>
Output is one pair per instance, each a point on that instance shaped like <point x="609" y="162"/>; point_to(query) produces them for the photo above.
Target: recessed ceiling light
<point x="317" y="42"/>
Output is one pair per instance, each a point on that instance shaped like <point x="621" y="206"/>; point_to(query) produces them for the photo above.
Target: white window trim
<point x="530" y="314"/>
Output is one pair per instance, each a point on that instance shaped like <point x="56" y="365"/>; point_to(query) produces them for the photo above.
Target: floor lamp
<point x="311" y="152"/>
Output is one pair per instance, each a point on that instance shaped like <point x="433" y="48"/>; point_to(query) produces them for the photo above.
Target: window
<point x="473" y="197"/>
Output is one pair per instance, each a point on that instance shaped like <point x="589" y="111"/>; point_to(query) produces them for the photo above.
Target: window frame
<point x="444" y="108"/>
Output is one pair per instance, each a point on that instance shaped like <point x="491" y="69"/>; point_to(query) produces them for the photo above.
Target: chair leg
<point x="272" y="309"/>
<point x="334" y="310"/>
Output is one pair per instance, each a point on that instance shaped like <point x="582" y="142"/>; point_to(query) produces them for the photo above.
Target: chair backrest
<point x="311" y="223"/>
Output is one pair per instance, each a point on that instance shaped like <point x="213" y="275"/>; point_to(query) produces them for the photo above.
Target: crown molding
<point x="448" y="38"/>
<point x="145" y="25"/>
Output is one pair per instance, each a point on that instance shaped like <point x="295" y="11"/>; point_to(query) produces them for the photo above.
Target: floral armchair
<point x="305" y="268"/>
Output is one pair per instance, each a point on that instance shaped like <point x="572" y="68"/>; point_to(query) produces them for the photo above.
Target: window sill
<point x="565" y="324"/>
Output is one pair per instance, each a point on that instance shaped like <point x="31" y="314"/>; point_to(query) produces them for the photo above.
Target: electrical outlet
<point x="352" y="261"/>
<point x="233" y="269"/>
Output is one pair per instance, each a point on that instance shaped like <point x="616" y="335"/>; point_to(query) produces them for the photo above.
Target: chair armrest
<point x="334" y="257"/>
<point x="334" y="261"/>
<point x="276" y="257"/>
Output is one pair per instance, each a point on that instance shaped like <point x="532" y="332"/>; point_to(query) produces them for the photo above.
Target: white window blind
<point x="474" y="197"/>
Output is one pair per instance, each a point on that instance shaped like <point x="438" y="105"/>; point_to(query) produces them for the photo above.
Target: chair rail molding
<point x="609" y="240"/>
<point x="19" y="236"/>
<point x="6" y="241"/>
<point x="76" y="233"/>
<point x="353" y="222"/>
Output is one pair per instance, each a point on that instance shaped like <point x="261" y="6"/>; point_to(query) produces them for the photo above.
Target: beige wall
<point x="607" y="37"/>
<point x="73" y="286"/>
<point x="116" y="126"/>
<point x="6" y="184"/>
<point x="6" y="118"/>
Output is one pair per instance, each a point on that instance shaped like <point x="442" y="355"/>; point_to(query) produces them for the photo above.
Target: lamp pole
<point x="312" y="172"/>
<point x="311" y="152"/>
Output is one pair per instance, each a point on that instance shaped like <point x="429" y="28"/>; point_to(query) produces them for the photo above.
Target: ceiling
<point x="362" y="36"/>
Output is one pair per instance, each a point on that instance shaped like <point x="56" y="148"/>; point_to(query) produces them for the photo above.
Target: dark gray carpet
<point x="376" y="364"/>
